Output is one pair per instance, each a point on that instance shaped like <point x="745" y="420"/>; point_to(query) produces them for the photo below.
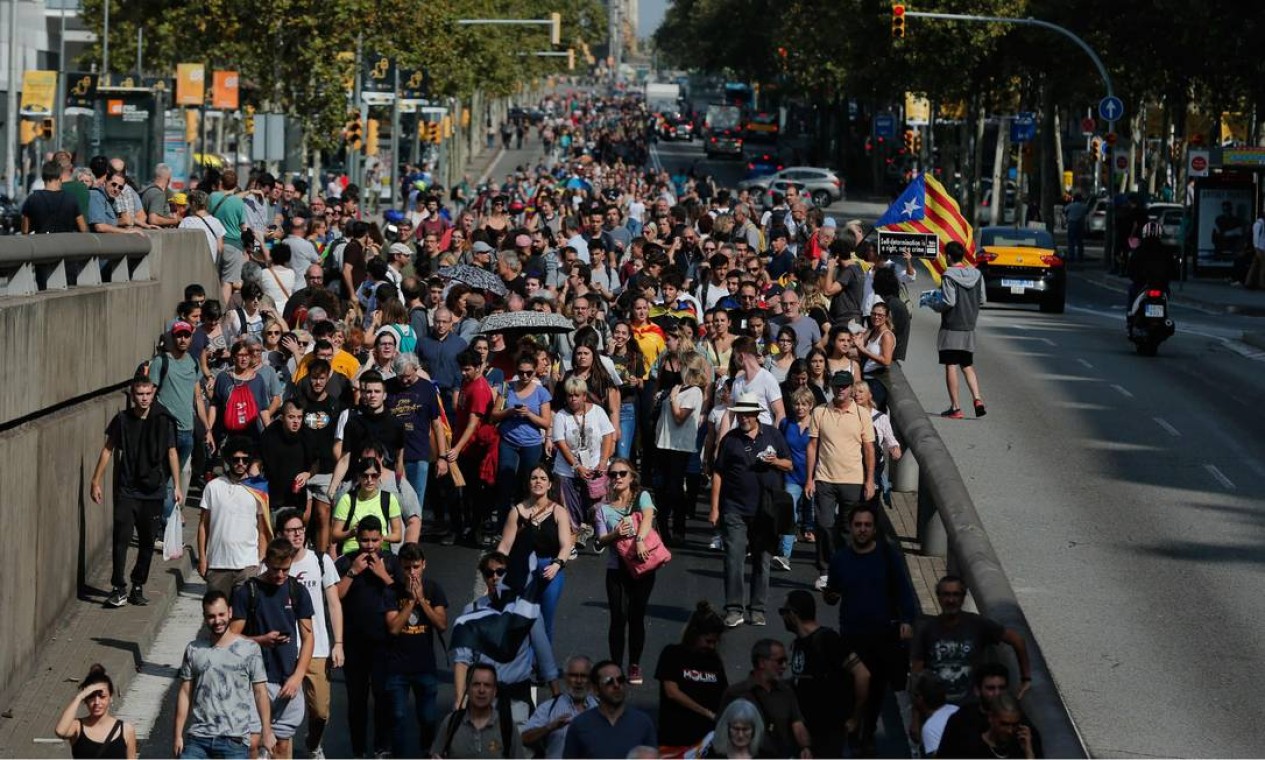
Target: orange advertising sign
<point x="224" y="90"/>
<point x="190" y="84"/>
<point x="114" y="107"/>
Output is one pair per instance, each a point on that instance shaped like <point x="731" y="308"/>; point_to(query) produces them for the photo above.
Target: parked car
<point x="676" y="127"/>
<point x="1022" y="266"/>
<point x="983" y="211"/>
<point x="1169" y="215"/>
<point x="823" y="186"/>
<point x="763" y="127"/>
<point x="1096" y="222"/>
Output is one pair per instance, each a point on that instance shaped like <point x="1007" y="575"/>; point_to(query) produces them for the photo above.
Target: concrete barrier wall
<point x="58" y="347"/>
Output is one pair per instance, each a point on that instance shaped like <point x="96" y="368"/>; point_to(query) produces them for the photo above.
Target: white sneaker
<point x="318" y="754"/>
<point x="717" y="544"/>
<point x="820" y="583"/>
<point x="781" y="563"/>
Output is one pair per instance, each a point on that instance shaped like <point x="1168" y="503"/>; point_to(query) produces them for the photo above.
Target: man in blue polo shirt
<point x="612" y="729"/>
<point x="440" y="350"/>
<point x="750" y="459"/>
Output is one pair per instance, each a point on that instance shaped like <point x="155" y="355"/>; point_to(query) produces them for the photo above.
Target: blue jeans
<point x="627" y="429"/>
<point x="425" y="689"/>
<point x="184" y="449"/>
<point x="788" y="539"/>
<point x="417" y="473"/>
<point x="513" y="466"/>
<point x="220" y="746"/>
<point x="550" y="592"/>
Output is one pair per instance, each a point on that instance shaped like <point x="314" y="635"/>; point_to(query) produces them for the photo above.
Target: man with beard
<point x="821" y="668"/>
<point x="321" y="410"/>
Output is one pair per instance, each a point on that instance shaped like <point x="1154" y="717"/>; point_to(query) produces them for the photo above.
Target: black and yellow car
<point x="1022" y="266"/>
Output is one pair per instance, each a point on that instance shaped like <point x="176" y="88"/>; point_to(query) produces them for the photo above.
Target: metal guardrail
<point x="941" y="485"/>
<point x="31" y="264"/>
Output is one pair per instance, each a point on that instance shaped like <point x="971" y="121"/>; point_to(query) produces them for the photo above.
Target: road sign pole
<point x="1109" y="230"/>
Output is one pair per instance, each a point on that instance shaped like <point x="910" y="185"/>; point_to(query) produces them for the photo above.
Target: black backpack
<point x="252" y="602"/>
<point x="504" y="718"/>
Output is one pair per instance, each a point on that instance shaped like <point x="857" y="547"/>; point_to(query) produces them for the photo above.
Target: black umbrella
<point x="479" y="279"/>
<point x="539" y="322"/>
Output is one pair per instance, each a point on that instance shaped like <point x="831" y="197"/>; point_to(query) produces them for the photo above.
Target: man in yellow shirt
<point x="341" y="362"/>
<point x="840" y="463"/>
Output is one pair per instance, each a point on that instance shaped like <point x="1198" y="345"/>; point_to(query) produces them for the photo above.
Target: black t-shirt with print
<point x="413" y="649"/>
<point x="320" y="420"/>
<point x="701" y="677"/>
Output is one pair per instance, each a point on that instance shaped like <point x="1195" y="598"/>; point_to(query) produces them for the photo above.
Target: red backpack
<point x="241" y="411"/>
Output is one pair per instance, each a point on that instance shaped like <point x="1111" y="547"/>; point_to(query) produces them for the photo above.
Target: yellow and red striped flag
<point x="925" y="206"/>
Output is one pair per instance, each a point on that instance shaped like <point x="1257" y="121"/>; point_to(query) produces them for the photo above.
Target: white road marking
<point x="1047" y="341"/>
<point x="1085" y="364"/>
<point x="1220" y="477"/>
<point x="1167" y="427"/>
<point x="148" y="691"/>
<point x="1122" y="391"/>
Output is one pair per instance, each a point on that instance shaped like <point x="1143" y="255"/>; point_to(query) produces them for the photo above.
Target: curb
<point x="1254" y="339"/>
<point x="1178" y="298"/>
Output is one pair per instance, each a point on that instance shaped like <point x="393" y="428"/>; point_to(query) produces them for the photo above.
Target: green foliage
<point x="287" y="51"/>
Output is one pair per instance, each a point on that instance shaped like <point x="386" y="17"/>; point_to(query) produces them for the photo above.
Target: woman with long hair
<point x="97" y="734"/>
<point x="584" y="440"/>
<point x="630" y="363"/>
<point x="482" y="345"/>
<point x="523" y="420"/>
<point x="393" y="315"/>
<point x="538" y="540"/>
<point x="886" y="446"/>
<point x="779" y="363"/>
<point x="692" y="681"/>
<point x="626" y="596"/>
<point x="676" y="440"/>
<point x="797" y="377"/>
<point x="877" y="348"/>
<point x="739" y="731"/>
<point x="587" y="364"/>
<point x="718" y="347"/>
<point x="841" y="352"/>
<point x="819" y="371"/>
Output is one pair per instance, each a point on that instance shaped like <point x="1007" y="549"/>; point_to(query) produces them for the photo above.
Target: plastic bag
<point x="173" y="538"/>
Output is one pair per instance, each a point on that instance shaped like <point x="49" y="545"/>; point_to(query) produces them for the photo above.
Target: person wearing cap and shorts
<point x="175" y="374"/>
<point x="751" y="458"/>
<point x="840" y="463"/>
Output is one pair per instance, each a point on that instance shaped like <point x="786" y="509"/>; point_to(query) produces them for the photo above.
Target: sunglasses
<point x="238" y="460"/>
<point x="116" y="185"/>
<point x="496" y="572"/>
<point x="619" y="474"/>
<point x="612" y="680"/>
<point x="372" y="474"/>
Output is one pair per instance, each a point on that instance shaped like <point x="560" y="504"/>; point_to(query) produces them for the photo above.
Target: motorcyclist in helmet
<point x="1150" y="265"/>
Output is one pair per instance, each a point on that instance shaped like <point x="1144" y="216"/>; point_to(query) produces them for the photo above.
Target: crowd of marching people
<point x="564" y="363"/>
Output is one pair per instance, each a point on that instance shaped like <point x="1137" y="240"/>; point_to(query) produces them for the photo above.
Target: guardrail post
<point x="905" y="472"/>
<point x="931" y="534"/>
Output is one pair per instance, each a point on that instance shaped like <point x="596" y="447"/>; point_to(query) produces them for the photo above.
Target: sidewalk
<point x="90" y="633"/>
<point x="1214" y="295"/>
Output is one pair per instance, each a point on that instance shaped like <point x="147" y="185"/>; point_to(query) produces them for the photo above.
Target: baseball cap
<point x="841" y="379"/>
<point x="179" y="199"/>
<point x="482" y="247"/>
<point x="181" y="326"/>
<point x="400" y="248"/>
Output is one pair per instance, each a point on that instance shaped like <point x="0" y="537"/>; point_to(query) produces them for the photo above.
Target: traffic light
<point x="555" y="29"/>
<point x="249" y="112"/>
<point x="1096" y="147"/>
<point x="353" y="134"/>
<point x="909" y="140"/>
<point x="571" y="59"/>
<point x="46" y="129"/>
<point x="371" y="137"/>
<point x="898" y="21"/>
<point x="917" y="146"/>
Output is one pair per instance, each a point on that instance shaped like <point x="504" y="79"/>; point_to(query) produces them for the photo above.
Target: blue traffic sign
<point x="1111" y="108"/>
<point x="884" y="125"/>
<point x="1023" y="128"/>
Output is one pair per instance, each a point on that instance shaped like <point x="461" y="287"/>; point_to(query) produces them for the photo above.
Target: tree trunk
<point x="1047" y="154"/>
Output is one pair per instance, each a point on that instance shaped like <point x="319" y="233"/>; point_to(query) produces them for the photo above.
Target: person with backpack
<point x="466" y="730"/>
<point x="143" y="436"/>
<point x="175" y="374"/>
<point x="249" y="318"/>
<point x="273" y="610"/>
<point x="234" y="523"/>
<point x="227" y="206"/>
<point x="316" y="573"/>
<point x="239" y="399"/>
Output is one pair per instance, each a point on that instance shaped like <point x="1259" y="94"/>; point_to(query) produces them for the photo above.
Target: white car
<point x="823" y="186"/>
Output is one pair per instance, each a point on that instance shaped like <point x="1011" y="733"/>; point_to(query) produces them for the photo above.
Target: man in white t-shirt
<point x="752" y="377"/>
<point x="233" y="530"/>
<point x="316" y="573"/>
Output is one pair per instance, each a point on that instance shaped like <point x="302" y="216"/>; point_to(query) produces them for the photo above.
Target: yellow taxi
<point x="1022" y="266"/>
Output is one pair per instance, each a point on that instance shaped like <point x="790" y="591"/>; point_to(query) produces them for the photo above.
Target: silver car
<point x="823" y="186"/>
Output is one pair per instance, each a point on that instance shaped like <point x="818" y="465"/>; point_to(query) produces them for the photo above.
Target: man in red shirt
<point x="474" y="450"/>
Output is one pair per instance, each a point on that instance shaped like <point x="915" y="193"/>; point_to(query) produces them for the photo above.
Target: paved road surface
<point x="1124" y="496"/>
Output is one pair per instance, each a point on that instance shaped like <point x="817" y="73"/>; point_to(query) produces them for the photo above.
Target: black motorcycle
<point x="1148" y="322"/>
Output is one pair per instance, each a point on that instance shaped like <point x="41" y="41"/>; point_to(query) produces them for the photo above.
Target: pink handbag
<point x="627" y="550"/>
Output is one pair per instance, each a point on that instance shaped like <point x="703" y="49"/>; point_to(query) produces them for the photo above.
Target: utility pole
<point x="353" y="157"/>
<point x="105" y="42"/>
<point x="394" y="152"/>
<point x="12" y="128"/>
<point x="60" y="106"/>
